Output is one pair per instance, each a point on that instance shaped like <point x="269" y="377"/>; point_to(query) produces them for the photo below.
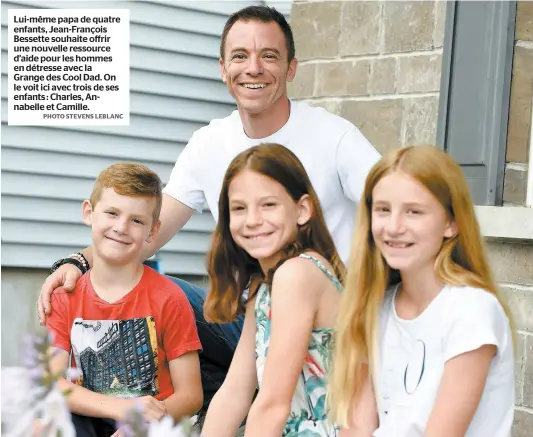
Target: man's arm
<point x="174" y="215"/>
<point x="188" y="396"/>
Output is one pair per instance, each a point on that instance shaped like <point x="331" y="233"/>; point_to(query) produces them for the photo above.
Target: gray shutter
<point x="175" y="89"/>
<point x="475" y="88"/>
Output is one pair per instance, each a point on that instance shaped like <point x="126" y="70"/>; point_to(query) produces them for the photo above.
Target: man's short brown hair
<point x="263" y="14"/>
<point x="129" y="179"/>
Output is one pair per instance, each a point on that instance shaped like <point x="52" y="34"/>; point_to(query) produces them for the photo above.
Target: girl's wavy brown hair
<point x="230" y="267"/>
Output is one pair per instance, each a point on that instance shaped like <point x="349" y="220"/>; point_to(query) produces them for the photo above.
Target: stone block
<point x="522" y="424"/>
<point x="511" y="262"/>
<point x="527" y="399"/>
<point x="383" y="76"/>
<point x="515" y="186"/>
<point x="520" y="362"/>
<point x="303" y="84"/>
<point x="360" y="28"/>
<point x="333" y="106"/>
<point x="520" y="105"/>
<point x="524" y="21"/>
<point x="316" y="29"/>
<point x="344" y="78"/>
<point x="379" y="120"/>
<point x="419" y="124"/>
<point x="521" y="305"/>
<point x="419" y="73"/>
<point x="409" y="26"/>
<point x="440" y="17"/>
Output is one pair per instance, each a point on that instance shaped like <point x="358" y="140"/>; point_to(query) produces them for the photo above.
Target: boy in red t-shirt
<point x="130" y="330"/>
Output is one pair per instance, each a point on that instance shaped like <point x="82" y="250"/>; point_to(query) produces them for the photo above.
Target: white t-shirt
<point x="412" y="355"/>
<point x="336" y="156"/>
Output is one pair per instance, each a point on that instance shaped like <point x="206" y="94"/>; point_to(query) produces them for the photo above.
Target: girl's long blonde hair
<point x="461" y="261"/>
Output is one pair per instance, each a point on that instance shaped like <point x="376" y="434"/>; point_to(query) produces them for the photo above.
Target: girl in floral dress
<point x="271" y="240"/>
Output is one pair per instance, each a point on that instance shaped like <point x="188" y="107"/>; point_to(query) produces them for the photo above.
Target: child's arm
<point x="478" y="328"/>
<point x="232" y="401"/>
<point x="87" y="403"/>
<point x="364" y="418"/>
<point x="181" y="343"/>
<point x="188" y="396"/>
<point x="296" y="288"/>
<point x="459" y="393"/>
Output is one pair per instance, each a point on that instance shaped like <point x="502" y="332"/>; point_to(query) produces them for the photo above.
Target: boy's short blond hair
<point x="129" y="179"/>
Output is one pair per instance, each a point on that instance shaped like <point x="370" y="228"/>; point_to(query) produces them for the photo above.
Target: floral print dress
<point x="308" y="408"/>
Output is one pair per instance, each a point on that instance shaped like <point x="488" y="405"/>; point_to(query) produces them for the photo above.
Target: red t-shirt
<point x="123" y="348"/>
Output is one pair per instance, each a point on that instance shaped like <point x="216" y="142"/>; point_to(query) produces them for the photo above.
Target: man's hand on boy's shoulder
<point x="65" y="277"/>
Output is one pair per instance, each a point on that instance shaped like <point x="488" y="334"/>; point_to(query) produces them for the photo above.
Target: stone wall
<point x="513" y="269"/>
<point x="520" y="108"/>
<point x="362" y="61"/>
<point x="378" y="64"/>
<point x="514" y="263"/>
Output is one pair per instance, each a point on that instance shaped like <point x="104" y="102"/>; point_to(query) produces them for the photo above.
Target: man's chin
<point x="252" y="108"/>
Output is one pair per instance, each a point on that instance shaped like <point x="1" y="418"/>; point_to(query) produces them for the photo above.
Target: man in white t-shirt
<point x="257" y="61"/>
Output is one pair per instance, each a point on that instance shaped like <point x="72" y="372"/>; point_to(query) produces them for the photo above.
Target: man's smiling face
<point x="255" y="67"/>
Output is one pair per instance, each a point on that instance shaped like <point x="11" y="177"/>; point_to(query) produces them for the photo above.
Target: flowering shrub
<point x="33" y="406"/>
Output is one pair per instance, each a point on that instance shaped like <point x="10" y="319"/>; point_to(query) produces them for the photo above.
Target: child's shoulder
<point x="162" y="287"/>
<point x="465" y="304"/>
<point x="308" y="270"/>
<point x="303" y="264"/>
<point x="467" y="296"/>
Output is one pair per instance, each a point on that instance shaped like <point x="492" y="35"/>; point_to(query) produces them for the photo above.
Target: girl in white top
<point x="424" y="342"/>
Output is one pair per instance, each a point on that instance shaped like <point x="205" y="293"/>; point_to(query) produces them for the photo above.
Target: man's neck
<point x="112" y="282"/>
<point x="266" y="123"/>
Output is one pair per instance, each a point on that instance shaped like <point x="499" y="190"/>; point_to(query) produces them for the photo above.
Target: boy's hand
<point x="66" y="277"/>
<point x="151" y="408"/>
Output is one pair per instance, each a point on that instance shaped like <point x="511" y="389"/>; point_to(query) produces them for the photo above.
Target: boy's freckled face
<point x="120" y="225"/>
